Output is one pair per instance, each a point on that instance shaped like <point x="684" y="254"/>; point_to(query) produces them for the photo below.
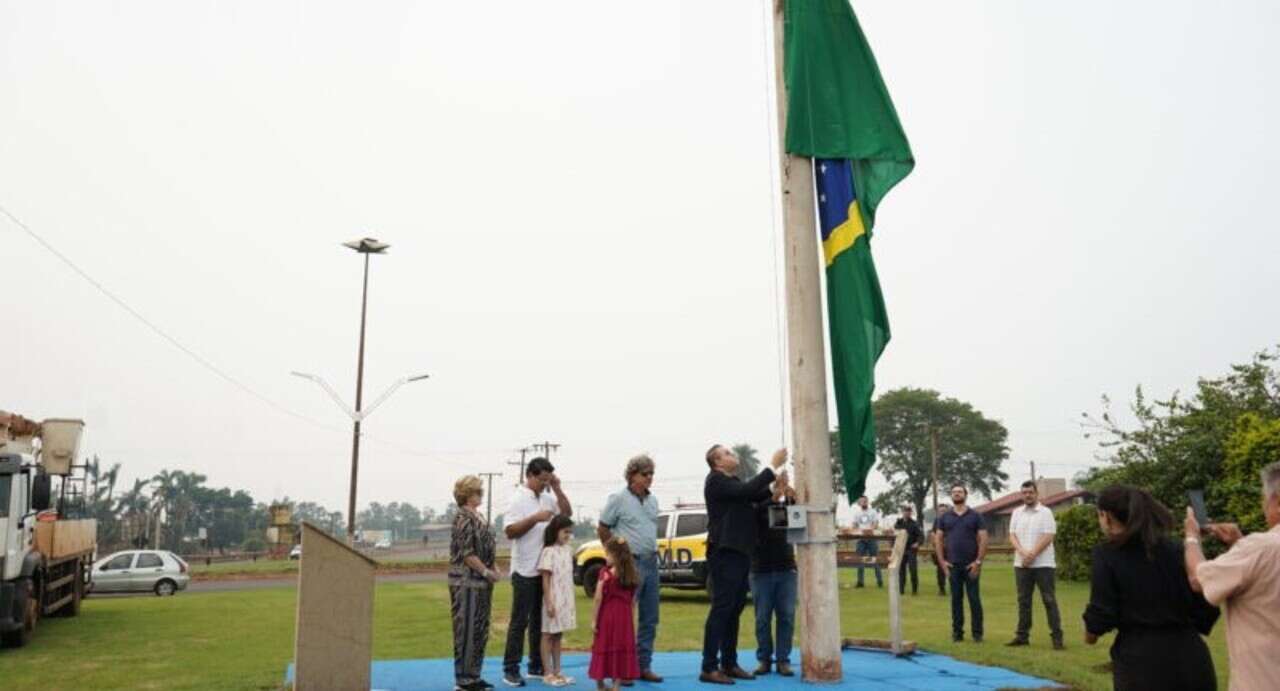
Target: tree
<point x="1181" y="443"/>
<point x="1254" y="445"/>
<point x="748" y="462"/>
<point x="971" y="447"/>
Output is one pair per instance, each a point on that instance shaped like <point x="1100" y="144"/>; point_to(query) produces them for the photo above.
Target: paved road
<point x="235" y="585"/>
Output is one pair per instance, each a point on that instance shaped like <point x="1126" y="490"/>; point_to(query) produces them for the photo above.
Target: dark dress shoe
<point x="736" y="672"/>
<point x="784" y="669"/>
<point x="628" y="682"/>
<point x="650" y="677"/>
<point x="1058" y="644"/>
<point x="714" y="677"/>
<point x="762" y="669"/>
<point x="1017" y="642"/>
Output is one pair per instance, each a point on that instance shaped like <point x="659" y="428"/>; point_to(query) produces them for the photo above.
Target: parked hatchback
<point x="157" y="571"/>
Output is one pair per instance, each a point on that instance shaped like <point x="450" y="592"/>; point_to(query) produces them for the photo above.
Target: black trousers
<point x="908" y="562"/>
<point x="526" y="614"/>
<point x="1166" y="659"/>
<point x="730" y="574"/>
<point x="942" y="576"/>
<point x="965" y="584"/>
<point x="1027" y="581"/>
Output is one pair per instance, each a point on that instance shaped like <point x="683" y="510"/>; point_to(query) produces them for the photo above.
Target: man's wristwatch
<point x="1191" y="540"/>
<point x="977" y="562"/>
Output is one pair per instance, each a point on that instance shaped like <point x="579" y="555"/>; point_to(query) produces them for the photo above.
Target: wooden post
<point x="807" y="364"/>
<point x="895" y="598"/>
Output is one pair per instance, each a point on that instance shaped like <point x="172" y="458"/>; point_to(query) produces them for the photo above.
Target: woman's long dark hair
<point x="558" y="522"/>
<point x="1143" y="517"/>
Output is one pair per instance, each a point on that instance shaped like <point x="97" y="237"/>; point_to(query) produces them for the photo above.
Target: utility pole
<point x="546" y="447"/>
<point x="1033" y="475"/>
<point x="520" y="464"/>
<point x="488" y="511"/>
<point x="933" y="450"/>
<point x="807" y="363"/>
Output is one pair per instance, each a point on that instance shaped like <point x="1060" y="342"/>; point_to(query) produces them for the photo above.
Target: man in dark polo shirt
<point x="960" y="537"/>
<point x="731" y="538"/>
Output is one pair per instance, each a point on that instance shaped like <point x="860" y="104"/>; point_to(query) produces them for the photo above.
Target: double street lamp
<point x="365" y="246"/>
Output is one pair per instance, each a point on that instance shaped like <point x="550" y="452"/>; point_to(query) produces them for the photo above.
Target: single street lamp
<point x="365" y="246"/>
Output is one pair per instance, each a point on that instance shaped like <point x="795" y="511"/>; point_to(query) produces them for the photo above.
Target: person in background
<point x="937" y="560"/>
<point x="865" y="519"/>
<point x="960" y="538"/>
<point x="471" y="577"/>
<point x="559" y="610"/>
<point x="1247" y="581"/>
<point x="731" y="538"/>
<point x="530" y="511"/>
<point x="1031" y="531"/>
<point x="773" y="586"/>
<point x="915" y="536"/>
<point x="1139" y="587"/>
<point x="632" y="513"/>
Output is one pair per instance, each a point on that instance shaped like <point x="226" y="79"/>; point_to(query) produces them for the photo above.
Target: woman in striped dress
<point x="471" y="579"/>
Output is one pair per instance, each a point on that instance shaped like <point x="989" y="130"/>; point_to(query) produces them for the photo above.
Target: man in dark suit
<point x="731" y="538"/>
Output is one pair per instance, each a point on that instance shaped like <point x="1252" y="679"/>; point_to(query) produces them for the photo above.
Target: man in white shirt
<point x="866" y="519"/>
<point x="531" y="510"/>
<point x="1031" y="530"/>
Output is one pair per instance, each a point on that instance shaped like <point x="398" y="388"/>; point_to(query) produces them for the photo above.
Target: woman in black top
<point x="1140" y="588"/>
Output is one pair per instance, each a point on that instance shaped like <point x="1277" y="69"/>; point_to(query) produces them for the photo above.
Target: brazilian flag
<point x="840" y="114"/>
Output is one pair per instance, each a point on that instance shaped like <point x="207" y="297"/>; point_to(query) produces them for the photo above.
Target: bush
<point x="1254" y="444"/>
<point x="253" y="544"/>
<point x="1078" y="533"/>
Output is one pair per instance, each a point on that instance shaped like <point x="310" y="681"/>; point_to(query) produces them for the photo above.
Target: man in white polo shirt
<point x="1031" y="530"/>
<point x="526" y="520"/>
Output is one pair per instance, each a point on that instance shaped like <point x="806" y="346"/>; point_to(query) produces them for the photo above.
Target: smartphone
<point x="1196" y="497"/>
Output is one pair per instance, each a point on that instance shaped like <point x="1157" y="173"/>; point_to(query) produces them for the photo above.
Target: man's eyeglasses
<point x="647" y="473"/>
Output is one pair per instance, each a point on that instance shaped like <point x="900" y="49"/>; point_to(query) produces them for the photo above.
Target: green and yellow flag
<point x="840" y="114"/>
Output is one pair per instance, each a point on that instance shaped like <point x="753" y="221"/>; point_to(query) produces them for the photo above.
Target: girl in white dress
<point x="559" y="610"/>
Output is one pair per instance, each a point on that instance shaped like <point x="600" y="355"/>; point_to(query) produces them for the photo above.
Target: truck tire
<point x="590" y="577"/>
<point x="72" y="609"/>
<point x="30" y="614"/>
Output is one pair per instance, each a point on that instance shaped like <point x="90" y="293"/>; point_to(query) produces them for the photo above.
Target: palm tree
<point x="134" y="506"/>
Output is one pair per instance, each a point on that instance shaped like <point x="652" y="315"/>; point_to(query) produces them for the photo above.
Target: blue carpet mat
<point x="863" y="670"/>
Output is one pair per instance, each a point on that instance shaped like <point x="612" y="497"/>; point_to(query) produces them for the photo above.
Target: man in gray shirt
<point x="633" y="514"/>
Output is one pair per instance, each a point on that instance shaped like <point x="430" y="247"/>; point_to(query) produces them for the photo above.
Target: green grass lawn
<point x="243" y="640"/>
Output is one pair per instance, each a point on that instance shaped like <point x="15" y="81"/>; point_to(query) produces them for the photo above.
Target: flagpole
<point x="806" y="358"/>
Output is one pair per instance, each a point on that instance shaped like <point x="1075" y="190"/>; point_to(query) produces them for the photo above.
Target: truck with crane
<point x="45" y="555"/>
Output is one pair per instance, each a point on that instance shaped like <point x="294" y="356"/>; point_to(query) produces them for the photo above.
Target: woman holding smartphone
<point x="1140" y="589"/>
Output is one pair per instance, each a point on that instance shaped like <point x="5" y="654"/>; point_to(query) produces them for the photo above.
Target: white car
<point x="296" y="552"/>
<point x="384" y="543"/>
<point x="157" y="571"/>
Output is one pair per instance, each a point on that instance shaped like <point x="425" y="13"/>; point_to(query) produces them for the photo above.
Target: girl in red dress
<point x="613" y="652"/>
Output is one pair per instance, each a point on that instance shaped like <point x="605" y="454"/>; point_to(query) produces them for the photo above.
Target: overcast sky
<point x="578" y="196"/>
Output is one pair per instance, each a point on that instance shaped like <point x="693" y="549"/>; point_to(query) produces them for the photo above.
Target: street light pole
<point x="355" y="434"/>
<point x="365" y="246"/>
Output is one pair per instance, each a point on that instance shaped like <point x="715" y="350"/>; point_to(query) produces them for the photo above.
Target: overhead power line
<point x="198" y="358"/>
<point x="189" y="352"/>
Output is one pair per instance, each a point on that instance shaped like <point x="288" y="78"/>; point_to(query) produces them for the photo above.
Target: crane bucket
<point x="60" y="444"/>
